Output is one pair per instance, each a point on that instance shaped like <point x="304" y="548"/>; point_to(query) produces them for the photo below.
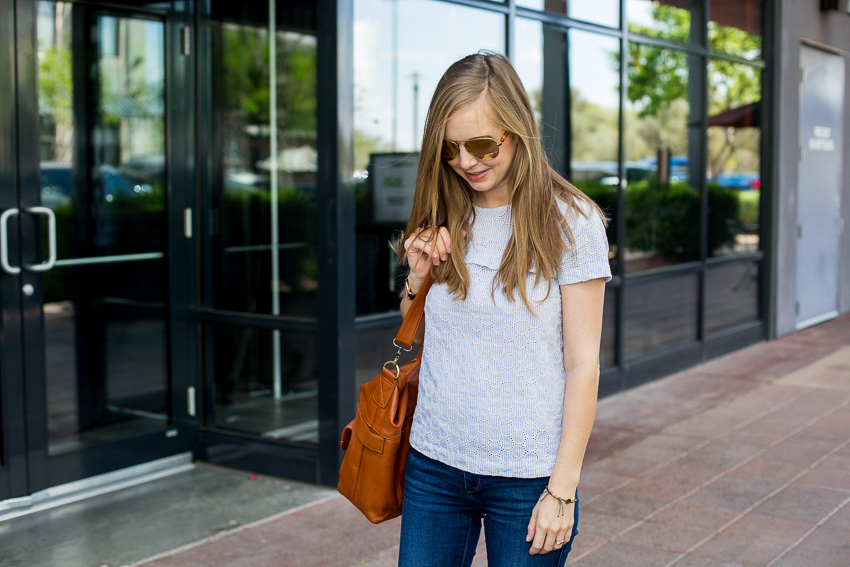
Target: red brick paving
<point x="716" y="466"/>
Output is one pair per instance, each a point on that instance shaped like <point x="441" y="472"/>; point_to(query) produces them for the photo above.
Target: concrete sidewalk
<point x="744" y="460"/>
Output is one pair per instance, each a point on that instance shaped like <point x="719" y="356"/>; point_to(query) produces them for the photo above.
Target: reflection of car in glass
<point x="742" y="181"/>
<point x="145" y="170"/>
<point x="57" y="183"/>
<point x="606" y="172"/>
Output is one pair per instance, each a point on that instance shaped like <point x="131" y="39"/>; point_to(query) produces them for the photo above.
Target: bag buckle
<point x="394" y="361"/>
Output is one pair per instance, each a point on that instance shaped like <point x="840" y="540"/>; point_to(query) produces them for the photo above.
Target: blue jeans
<point x="443" y="509"/>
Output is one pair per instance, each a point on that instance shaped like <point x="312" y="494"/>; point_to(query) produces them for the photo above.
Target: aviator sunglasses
<point x="482" y="148"/>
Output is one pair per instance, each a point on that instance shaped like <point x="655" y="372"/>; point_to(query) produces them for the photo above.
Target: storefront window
<point x="602" y="12"/>
<point x="731" y="295"/>
<point x="736" y="27"/>
<point x="594" y="123"/>
<point x="262" y="255"/>
<point x="541" y="63"/>
<point x="260" y="220"/>
<point x="660" y="313"/>
<point x="734" y="164"/>
<point x="401" y="51"/>
<point x="669" y="19"/>
<point x="663" y="156"/>
<point x="241" y="374"/>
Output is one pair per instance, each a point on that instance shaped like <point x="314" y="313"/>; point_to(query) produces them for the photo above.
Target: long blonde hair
<point x="443" y="198"/>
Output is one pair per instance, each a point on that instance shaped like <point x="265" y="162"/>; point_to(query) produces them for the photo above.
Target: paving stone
<point x="659" y="448"/>
<point x="693" y="517"/>
<point x="824" y="548"/>
<point x="623" y="506"/>
<point x="840" y="520"/>
<point x="601" y="526"/>
<point x="826" y="478"/>
<point x="696" y="561"/>
<point x="663" y="536"/>
<point x="622" y="554"/>
<point x="776" y="430"/>
<point x="829" y="373"/>
<point x="834" y="422"/>
<point x="668" y="483"/>
<point x="753" y="540"/>
<point x="625" y="467"/>
<point x="582" y="544"/>
<point x="762" y="467"/>
<point x="748" y="438"/>
<point x="298" y="539"/>
<point x="732" y="493"/>
<point x="802" y="504"/>
<point x="795" y="413"/>
<point x="600" y="480"/>
<point x="719" y="456"/>
<point x="836" y="462"/>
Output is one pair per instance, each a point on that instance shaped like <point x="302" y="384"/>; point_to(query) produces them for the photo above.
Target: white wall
<point x="799" y="21"/>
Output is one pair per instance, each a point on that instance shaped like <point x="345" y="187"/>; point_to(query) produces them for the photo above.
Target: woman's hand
<point x="547" y="526"/>
<point x="425" y="249"/>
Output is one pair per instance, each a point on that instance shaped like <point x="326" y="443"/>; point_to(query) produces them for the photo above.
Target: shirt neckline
<point x="491" y="209"/>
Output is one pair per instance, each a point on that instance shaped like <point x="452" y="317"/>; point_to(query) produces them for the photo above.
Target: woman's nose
<point x="467" y="160"/>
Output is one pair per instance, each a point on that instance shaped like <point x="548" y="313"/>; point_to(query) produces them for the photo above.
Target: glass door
<point x="90" y="223"/>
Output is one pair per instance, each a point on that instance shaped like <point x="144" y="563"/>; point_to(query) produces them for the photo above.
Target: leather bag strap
<point x="414" y="316"/>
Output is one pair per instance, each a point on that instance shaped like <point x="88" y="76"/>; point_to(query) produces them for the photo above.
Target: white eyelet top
<point x="491" y="385"/>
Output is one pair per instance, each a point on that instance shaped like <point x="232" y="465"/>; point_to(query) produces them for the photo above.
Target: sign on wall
<point x="393" y="181"/>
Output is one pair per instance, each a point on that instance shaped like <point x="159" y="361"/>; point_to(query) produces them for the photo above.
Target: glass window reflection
<point x="676" y="20"/>
<point x="252" y="394"/>
<point x="734" y="164"/>
<point x="401" y="50"/>
<point x="105" y="332"/>
<point x="662" y="203"/>
<point x="602" y="12"/>
<point x="736" y="27"/>
<point x="594" y="121"/>
<point x="263" y="255"/>
<point x="541" y="63"/>
<point x="731" y="295"/>
<point x="660" y="313"/>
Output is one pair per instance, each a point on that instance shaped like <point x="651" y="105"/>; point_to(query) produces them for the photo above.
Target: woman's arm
<point x="581" y="305"/>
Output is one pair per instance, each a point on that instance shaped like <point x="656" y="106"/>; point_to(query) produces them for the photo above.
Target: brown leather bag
<point x="377" y="441"/>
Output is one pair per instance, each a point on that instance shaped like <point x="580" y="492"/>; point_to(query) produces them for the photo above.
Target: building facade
<point x="196" y="200"/>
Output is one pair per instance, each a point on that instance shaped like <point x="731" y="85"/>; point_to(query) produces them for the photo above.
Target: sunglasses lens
<point x="450" y="150"/>
<point x="484" y="148"/>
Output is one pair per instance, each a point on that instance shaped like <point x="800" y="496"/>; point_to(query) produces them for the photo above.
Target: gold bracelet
<point x="561" y="501"/>
<point x="410" y="295"/>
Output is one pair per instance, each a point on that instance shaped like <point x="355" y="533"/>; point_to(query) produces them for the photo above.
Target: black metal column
<point x="13" y="464"/>
<point x="35" y="390"/>
<point x="335" y="247"/>
<point x="183" y="223"/>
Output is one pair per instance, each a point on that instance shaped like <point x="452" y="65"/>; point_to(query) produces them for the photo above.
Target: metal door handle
<point x="51" y="239"/>
<point x="4" y="242"/>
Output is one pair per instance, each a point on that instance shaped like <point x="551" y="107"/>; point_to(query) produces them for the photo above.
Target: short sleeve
<point x="589" y="259"/>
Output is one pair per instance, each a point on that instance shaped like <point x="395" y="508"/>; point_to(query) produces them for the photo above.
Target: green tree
<point x="594" y="130"/>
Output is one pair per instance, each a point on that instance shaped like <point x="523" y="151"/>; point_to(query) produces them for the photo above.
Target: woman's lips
<point x="476" y="176"/>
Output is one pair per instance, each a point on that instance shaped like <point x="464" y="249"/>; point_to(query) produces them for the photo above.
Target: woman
<point x="510" y="366"/>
